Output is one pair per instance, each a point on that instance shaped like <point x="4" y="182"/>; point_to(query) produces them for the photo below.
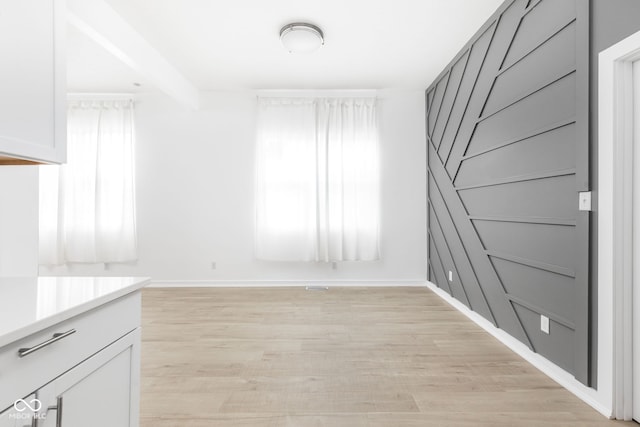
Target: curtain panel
<point x="87" y="206"/>
<point x="317" y="180"/>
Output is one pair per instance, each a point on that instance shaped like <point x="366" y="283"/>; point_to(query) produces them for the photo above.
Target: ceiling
<point x="234" y="44"/>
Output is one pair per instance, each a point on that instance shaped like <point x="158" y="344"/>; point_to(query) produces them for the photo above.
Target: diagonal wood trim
<point x="520" y="178"/>
<point x="551" y="268"/>
<point x="430" y="96"/>
<point x="513" y="307"/>
<point x="468" y="279"/>
<point x="500" y="44"/>
<point x="526" y="220"/>
<point x="443" y="270"/>
<point x="432" y="276"/>
<point x="438" y="95"/>
<point x="439" y="111"/>
<point x="535" y="133"/>
<point x="431" y="143"/>
<point x="463" y="291"/>
<point x="532" y="4"/>
<point x="506" y="68"/>
<point x="472" y="80"/>
<point x="493" y="289"/>
<point x="561" y="75"/>
<point x="553" y="316"/>
<point x="457" y="137"/>
<point x="440" y="130"/>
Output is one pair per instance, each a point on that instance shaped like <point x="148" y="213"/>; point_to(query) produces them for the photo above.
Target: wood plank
<point x="405" y="358"/>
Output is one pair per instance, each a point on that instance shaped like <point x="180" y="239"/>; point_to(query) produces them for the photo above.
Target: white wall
<point x="18" y="221"/>
<point x="195" y="196"/>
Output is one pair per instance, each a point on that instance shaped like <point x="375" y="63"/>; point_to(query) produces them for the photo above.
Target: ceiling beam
<point x="97" y="20"/>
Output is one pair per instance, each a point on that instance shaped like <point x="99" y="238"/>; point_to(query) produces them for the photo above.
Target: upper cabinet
<point x="32" y="81"/>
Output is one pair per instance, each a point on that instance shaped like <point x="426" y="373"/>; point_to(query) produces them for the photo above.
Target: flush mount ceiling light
<point x="300" y="37"/>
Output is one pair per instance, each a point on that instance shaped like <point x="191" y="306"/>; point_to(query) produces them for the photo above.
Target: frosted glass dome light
<point x="300" y="37"/>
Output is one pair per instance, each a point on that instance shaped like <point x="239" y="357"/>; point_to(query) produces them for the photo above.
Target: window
<point x="317" y="180"/>
<point x="87" y="206"/>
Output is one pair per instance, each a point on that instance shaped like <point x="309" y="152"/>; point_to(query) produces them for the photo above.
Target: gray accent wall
<point x="508" y="151"/>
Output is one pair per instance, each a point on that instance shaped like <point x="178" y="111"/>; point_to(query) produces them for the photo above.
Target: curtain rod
<point x="320" y="93"/>
<point x="80" y="96"/>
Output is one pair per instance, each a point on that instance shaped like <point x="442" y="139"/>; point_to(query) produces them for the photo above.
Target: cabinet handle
<point x="59" y="412"/>
<point x="57" y="408"/>
<point x="56" y="337"/>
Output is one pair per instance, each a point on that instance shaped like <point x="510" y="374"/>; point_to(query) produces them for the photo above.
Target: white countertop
<point x="29" y="305"/>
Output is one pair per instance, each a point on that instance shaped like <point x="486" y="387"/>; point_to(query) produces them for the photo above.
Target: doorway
<point x="619" y="228"/>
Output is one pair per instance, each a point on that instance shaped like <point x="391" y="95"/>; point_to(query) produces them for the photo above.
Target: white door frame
<point x="615" y="219"/>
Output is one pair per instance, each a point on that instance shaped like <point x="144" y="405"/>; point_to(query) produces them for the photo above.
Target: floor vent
<point x="317" y="288"/>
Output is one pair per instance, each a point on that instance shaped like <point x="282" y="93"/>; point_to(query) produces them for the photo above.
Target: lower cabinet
<point x="102" y="391"/>
<point x="21" y="414"/>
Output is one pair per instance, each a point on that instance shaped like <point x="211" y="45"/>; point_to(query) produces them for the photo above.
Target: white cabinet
<point x="32" y="81"/>
<point x="84" y="371"/>
<point x="21" y="413"/>
<point x="96" y="393"/>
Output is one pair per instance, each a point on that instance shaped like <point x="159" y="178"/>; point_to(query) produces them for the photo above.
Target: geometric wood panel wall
<point x="508" y="142"/>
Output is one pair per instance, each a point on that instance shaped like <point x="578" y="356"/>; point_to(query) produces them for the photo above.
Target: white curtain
<point x="87" y="206"/>
<point x="317" y="180"/>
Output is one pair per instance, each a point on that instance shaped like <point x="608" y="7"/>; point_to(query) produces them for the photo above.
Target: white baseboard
<point x="281" y="283"/>
<point x="553" y="371"/>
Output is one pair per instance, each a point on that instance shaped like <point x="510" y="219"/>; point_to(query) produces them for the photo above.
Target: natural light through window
<point x="317" y="179"/>
<point x="87" y="206"/>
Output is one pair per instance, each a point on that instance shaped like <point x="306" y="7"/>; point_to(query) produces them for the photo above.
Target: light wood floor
<point x="350" y="357"/>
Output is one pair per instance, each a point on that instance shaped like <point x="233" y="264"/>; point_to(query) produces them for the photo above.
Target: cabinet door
<point x="32" y="80"/>
<point x="101" y="399"/>
<point x="21" y="413"/>
<point x="100" y="392"/>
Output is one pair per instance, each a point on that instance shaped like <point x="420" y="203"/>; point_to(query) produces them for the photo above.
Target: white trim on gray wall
<point x="553" y="371"/>
<point x="615" y="245"/>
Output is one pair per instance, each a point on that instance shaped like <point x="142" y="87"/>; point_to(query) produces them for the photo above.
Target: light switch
<point x="544" y="324"/>
<point x="584" y="201"/>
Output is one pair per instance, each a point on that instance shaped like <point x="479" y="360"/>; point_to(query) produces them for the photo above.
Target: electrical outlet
<point x="450" y="276"/>
<point x="213" y="265"/>
<point x="544" y="324"/>
<point x="334" y="265"/>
